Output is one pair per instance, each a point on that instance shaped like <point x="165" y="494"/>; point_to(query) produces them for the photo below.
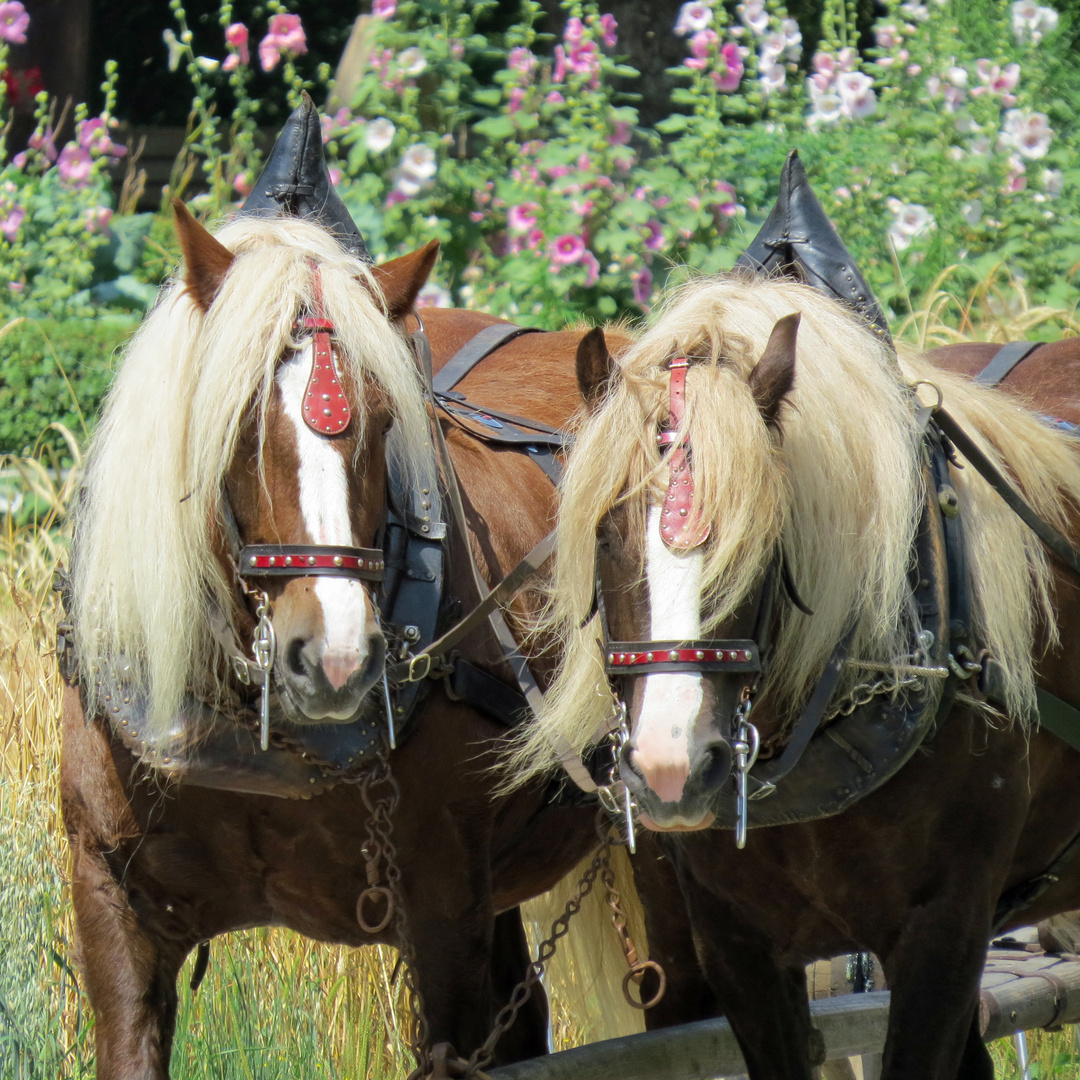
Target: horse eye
<point x="388" y="425"/>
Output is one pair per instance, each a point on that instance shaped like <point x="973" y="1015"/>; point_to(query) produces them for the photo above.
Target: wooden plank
<point x="854" y="1024"/>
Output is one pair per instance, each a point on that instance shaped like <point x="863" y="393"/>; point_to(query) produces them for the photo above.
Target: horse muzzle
<point x="319" y="685"/>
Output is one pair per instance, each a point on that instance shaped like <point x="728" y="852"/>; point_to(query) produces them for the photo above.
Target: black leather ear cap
<point x="295" y="181"/>
<point x="798" y="239"/>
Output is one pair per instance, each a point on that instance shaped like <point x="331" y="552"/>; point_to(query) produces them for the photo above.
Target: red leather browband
<point x="648" y="657"/>
<point x="680" y="527"/>
<point x="325" y="409"/>
<point x="304" y="560"/>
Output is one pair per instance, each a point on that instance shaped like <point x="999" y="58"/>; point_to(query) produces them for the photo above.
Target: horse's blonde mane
<point x="146" y="581"/>
<point x="841" y="489"/>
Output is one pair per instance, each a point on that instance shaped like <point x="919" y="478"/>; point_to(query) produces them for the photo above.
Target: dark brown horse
<point x="160" y="864"/>
<point x="815" y="591"/>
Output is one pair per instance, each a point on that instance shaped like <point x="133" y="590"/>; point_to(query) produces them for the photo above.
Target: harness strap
<point x="1004" y="360"/>
<point x="990" y="473"/>
<point x="807" y="724"/>
<point x="511" y="653"/>
<point x="424" y="662"/>
<point x="473" y="351"/>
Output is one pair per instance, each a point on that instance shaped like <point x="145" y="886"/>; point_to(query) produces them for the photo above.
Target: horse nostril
<point x="716" y="767"/>
<point x="294" y="658"/>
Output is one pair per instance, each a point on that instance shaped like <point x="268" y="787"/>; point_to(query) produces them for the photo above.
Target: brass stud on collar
<point x="337" y="560"/>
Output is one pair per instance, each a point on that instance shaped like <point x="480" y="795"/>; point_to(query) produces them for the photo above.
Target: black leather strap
<point x="487" y="694"/>
<point x="473" y="351"/>
<point x="1005" y="359"/>
<point x="418" y="666"/>
<point x="986" y="468"/>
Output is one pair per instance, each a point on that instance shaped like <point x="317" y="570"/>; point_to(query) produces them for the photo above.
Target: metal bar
<point x="853" y="1024"/>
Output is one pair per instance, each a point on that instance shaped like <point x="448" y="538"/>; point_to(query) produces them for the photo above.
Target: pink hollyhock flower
<point x="592" y="268"/>
<point x="559" y="73"/>
<point x="521" y="60"/>
<point x="573" y="33"/>
<point x="608" y="26"/>
<point x="74" y="165"/>
<point x="236" y="36"/>
<point x="522" y="218"/>
<point x="584" y="59"/>
<point x="555" y="98"/>
<point x="13" y="22"/>
<point x="700" y="44"/>
<point x="10" y="222"/>
<point x="620" y="134"/>
<point x="384" y="9"/>
<point x="729" y="79"/>
<point x="643" y="282"/>
<point x="517" y="96"/>
<point x="534" y="239"/>
<point x="727" y="206"/>
<point x="19" y="160"/>
<point x="242" y="184"/>
<point x="567" y="249"/>
<point x="286" y="36"/>
<point x="44" y="142"/>
<point x="97" y="219"/>
<point x="655" y="239"/>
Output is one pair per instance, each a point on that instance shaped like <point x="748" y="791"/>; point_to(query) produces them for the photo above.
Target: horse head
<point x="710" y="472"/>
<point x="238" y="478"/>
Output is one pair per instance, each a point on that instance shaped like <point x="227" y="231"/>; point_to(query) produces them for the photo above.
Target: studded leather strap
<point x="680" y="527"/>
<point x="306" y="560"/>
<point x="325" y="409"/>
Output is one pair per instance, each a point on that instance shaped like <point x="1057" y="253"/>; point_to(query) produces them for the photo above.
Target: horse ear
<point x="402" y="279"/>
<point x="774" y="374"/>
<point x="595" y="368"/>
<point x="206" y="261"/>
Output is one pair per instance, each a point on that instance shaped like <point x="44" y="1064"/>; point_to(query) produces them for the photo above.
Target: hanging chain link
<point x="381" y="795"/>
<point x="638" y="968"/>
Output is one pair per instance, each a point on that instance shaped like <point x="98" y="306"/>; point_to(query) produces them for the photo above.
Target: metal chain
<point x="638" y="968"/>
<point x="907" y="674"/>
<point x="483" y="1055"/>
<point x="380" y="833"/>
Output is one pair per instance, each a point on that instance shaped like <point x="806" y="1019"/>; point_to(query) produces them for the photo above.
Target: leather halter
<point x="680" y="527"/>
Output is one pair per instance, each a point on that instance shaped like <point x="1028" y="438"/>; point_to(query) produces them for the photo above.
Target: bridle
<point x="327" y="412"/>
<point x="682" y="530"/>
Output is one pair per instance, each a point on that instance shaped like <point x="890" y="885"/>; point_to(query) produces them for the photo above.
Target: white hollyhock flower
<point x="379" y="134"/>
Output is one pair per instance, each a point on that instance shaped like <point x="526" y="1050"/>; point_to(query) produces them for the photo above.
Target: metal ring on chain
<point x="635" y="975"/>
<point x="371" y="895"/>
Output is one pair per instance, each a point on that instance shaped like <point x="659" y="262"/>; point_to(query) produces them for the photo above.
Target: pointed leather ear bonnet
<point x="295" y="181"/>
<point x="798" y="239"/>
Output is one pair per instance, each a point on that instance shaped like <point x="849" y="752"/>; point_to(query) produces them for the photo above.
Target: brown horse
<point x="793" y="607"/>
<point x="206" y="447"/>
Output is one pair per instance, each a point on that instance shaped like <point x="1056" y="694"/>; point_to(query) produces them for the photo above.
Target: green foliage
<point x="55" y="371"/>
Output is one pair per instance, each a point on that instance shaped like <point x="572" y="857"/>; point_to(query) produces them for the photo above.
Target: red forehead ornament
<point x="326" y="408"/>
<point x="680" y="526"/>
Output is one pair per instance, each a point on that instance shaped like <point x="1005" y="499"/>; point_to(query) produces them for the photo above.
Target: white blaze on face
<point x="324" y="504"/>
<point x="670" y="702"/>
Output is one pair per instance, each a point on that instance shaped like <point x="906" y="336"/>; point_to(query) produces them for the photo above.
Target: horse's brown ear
<point x="774" y="374"/>
<point x="402" y="279"/>
<point x="595" y="368"/>
<point x="206" y="261"/>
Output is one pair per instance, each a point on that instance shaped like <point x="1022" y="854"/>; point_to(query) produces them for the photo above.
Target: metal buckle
<point x="411" y="674"/>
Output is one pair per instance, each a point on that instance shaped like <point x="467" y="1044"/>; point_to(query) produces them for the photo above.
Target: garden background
<point x="574" y="160"/>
